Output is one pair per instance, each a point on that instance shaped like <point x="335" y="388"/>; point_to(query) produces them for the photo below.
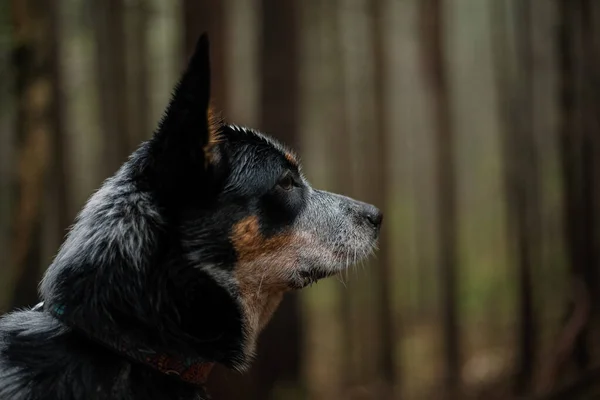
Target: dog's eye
<point x="286" y="182"/>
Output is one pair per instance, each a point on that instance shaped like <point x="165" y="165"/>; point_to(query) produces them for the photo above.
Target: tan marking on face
<point x="291" y="158"/>
<point x="214" y="136"/>
<point x="263" y="270"/>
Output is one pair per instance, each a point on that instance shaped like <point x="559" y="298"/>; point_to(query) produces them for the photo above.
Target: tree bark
<point x="380" y="167"/>
<point x="7" y="149"/>
<point x="57" y="204"/>
<point x="36" y="128"/>
<point x="521" y="177"/>
<point x="527" y="204"/>
<point x="580" y="147"/>
<point x="138" y="84"/>
<point x="580" y="144"/>
<point x="111" y="70"/>
<point x="434" y="61"/>
<point x="576" y="158"/>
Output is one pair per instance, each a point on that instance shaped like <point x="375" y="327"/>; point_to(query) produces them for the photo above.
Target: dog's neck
<point x="259" y="306"/>
<point x="190" y="370"/>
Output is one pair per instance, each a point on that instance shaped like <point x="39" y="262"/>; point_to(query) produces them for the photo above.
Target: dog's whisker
<point x="261" y="282"/>
<point x="339" y="278"/>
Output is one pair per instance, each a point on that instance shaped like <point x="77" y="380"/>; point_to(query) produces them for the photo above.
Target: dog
<point x="178" y="261"/>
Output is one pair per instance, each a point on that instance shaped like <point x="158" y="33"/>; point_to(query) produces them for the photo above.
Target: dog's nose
<point x="374" y="215"/>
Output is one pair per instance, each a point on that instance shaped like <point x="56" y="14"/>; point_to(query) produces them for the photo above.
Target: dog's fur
<point x="190" y="246"/>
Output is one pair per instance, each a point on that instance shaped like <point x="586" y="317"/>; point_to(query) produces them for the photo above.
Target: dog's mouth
<point x="308" y="277"/>
<point x="330" y="261"/>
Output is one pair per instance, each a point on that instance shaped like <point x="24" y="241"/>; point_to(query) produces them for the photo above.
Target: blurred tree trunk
<point x="590" y="93"/>
<point x="7" y="150"/>
<point x="434" y="62"/>
<point x="37" y="126"/>
<point x="515" y="87"/>
<point x="580" y="144"/>
<point x="408" y="237"/>
<point x="577" y="160"/>
<point x="165" y="38"/>
<point x="111" y="70"/>
<point x="581" y="100"/>
<point x="242" y="66"/>
<point x="591" y="27"/>
<point x="279" y="67"/>
<point x="56" y="207"/>
<point x="80" y="91"/>
<point x="524" y="187"/>
<point x="138" y="84"/>
<point x="379" y="185"/>
<point x="549" y="270"/>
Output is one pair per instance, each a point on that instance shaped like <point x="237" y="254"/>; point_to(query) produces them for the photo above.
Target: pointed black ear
<point x="186" y="125"/>
<point x="195" y="83"/>
<point x="184" y="145"/>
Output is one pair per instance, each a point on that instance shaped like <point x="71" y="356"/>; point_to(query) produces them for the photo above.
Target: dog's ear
<point x="189" y="129"/>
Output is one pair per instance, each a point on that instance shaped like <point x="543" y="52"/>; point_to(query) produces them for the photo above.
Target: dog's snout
<point x="373" y="215"/>
<point x="360" y="213"/>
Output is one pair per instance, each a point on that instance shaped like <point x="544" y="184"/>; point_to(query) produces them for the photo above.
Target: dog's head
<point x="202" y="231"/>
